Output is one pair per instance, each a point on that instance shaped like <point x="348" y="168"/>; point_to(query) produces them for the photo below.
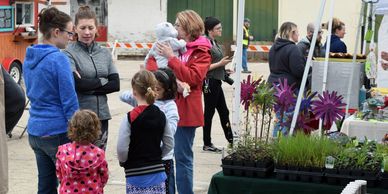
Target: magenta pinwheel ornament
<point x="285" y="97"/>
<point x="248" y="87"/>
<point x="328" y="107"/>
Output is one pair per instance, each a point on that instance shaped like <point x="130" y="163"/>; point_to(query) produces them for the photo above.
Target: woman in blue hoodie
<point x="50" y="88"/>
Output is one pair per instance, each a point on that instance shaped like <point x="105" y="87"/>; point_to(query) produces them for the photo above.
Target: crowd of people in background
<point x="68" y="123"/>
<point x="287" y="56"/>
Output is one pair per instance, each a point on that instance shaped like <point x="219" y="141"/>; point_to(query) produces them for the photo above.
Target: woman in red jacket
<point x="190" y="67"/>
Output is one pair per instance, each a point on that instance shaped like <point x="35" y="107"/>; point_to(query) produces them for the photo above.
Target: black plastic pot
<point x="266" y="171"/>
<point x="249" y="172"/>
<point x="227" y="162"/>
<point x="318" y="176"/>
<point x="331" y="177"/>
<point x="293" y="173"/>
<point x="238" y="171"/>
<point x="305" y="177"/>
<point x="248" y="169"/>
<point x="264" y="163"/>
<point x="384" y="180"/>
<point x="281" y="172"/>
<point x="344" y="176"/>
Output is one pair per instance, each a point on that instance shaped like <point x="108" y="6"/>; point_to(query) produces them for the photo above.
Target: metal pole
<point x="326" y="64"/>
<point x="373" y="14"/>
<point x="307" y="67"/>
<point x="237" y="85"/>
<point x="367" y="24"/>
<point x="354" y="62"/>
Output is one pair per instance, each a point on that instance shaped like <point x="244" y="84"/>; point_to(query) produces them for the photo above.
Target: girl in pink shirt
<point x="81" y="166"/>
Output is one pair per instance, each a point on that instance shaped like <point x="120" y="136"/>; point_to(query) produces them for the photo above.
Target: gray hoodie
<point x="304" y="46"/>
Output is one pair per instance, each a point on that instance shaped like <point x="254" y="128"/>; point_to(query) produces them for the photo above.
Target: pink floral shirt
<point x="81" y="168"/>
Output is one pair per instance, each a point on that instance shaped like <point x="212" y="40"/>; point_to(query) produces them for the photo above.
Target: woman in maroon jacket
<point x="191" y="68"/>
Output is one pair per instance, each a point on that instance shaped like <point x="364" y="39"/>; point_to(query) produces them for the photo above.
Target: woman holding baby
<point x="190" y="68"/>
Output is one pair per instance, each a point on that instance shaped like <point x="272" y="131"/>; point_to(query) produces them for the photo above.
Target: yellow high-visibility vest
<point x="246" y="40"/>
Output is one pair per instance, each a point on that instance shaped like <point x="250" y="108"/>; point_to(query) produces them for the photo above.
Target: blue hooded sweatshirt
<point x="50" y="88"/>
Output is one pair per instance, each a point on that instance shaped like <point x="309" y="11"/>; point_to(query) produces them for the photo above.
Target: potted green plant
<point x="357" y="160"/>
<point x="249" y="158"/>
<point x="302" y="157"/>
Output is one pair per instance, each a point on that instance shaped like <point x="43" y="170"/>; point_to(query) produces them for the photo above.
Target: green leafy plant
<point x="360" y="156"/>
<point x="250" y="149"/>
<point x="263" y="100"/>
<point x="382" y="150"/>
<point x="304" y="151"/>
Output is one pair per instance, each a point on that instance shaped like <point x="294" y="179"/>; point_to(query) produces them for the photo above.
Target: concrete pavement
<point x="22" y="165"/>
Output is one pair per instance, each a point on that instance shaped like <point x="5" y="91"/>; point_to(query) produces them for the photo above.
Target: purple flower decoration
<point x="328" y="107"/>
<point x="247" y="90"/>
<point x="285" y="97"/>
<point x="305" y="105"/>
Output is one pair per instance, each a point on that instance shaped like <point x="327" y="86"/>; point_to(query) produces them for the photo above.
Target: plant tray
<point x="254" y="172"/>
<point x="299" y="175"/>
<point x="343" y="177"/>
<point x="384" y="180"/>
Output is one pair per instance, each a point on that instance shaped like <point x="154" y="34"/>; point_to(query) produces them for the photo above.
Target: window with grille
<point x="24" y="13"/>
<point x="6" y="18"/>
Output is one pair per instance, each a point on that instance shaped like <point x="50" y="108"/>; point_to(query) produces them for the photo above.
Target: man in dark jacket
<point x="304" y="44"/>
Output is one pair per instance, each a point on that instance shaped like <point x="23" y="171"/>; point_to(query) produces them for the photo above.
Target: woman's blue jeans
<point x="184" y="138"/>
<point x="45" y="149"/>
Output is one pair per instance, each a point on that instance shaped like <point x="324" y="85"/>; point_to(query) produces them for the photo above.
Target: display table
<point x="373" y="130"/>
<point x="221" y="184"/>
<point x="338" y="75"/>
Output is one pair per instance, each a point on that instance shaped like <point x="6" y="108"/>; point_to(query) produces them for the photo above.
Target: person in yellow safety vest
<point x="246" y="38"/>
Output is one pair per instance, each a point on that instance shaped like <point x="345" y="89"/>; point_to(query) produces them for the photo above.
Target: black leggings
<point x="101" y="142"/>
<point x="214" y="99"/>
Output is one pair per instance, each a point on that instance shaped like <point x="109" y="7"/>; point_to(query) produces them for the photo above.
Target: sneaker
<point x="211" y="148"/>
<point x="246" y="71"/>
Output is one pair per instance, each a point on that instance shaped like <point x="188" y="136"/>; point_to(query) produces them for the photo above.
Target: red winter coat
<point x="193" y="72"/>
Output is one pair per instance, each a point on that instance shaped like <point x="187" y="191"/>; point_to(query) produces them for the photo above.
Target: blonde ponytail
<point x="150" y="95"/>
<point x="144" y="83"/>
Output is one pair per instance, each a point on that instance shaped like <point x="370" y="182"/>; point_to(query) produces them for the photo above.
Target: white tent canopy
<point x="381" y="7"/>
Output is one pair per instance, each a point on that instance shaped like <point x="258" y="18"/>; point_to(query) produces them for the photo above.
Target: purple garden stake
<point x="247" y="90"/>
<point x="328" y="108"/>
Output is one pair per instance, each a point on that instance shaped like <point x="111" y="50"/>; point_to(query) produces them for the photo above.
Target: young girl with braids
<point x="141" y="132"/>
